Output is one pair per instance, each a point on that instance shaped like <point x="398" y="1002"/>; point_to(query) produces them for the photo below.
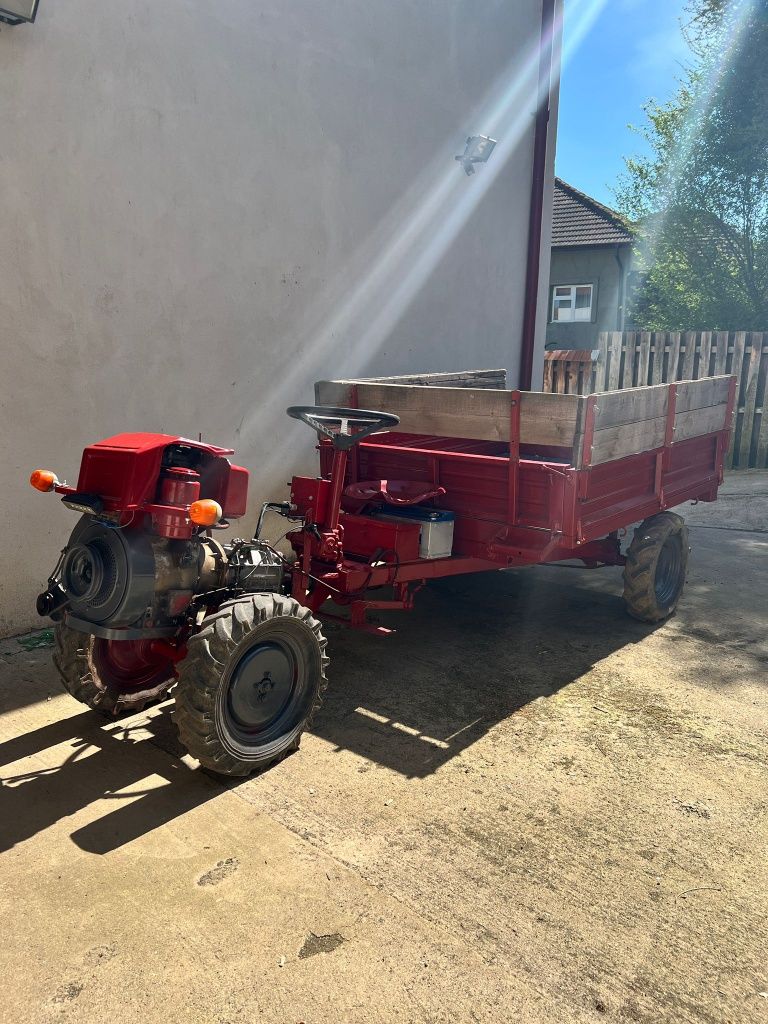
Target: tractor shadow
<point x="474" y="651"/>
<point x="118" y="761"/>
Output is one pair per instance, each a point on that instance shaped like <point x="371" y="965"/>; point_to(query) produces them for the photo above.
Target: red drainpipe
<point x="541" y="136"/>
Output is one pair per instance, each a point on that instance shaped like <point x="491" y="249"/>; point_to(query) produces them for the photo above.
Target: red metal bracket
<point x="585" y="462"/>
<point x="664" y="457"/>
<point x="514" y="456"/>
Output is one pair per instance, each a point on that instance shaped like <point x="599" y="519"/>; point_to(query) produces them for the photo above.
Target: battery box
<point x="435" y="528"/>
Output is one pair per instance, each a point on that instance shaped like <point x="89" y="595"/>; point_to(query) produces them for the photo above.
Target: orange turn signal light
<point x="43" y="480"/>
<point x="205" y="512"/>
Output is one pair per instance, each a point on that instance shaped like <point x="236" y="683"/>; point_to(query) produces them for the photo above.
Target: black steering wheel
<point x="345" y="427"/>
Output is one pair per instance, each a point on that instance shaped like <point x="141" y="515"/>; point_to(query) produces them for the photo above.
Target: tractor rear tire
<point x="656" y="567"/>
<point x="110" y="677"/>
<point x="253" y="677"/>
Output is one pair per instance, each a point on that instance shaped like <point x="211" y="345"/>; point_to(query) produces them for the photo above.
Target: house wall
<point x="206" y="207"/>
<point x="598" y="267"/>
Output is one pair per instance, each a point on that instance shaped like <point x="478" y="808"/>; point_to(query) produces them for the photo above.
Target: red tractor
<point x="145" y="597"/>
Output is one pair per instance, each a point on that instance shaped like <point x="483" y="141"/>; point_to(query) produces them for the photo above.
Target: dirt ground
<point x="524" y="806"/>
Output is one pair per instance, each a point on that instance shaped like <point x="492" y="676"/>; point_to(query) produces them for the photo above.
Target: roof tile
<point x="579" y="220"/>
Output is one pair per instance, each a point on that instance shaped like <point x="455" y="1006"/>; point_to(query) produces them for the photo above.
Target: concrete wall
<point x="599" y="268"/>
<point x="207" y="206"/>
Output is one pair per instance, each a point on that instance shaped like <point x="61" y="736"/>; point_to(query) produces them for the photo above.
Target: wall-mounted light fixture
<point x="18" y="12"/>
<point x="476" y="151"/>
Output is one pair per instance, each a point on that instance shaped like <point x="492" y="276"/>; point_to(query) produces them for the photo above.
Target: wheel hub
<point x="667" y="580"/>
<point x="261" y="686"/>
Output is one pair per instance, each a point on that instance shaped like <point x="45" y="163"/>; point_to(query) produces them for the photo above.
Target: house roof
<point x="579" y="220"/>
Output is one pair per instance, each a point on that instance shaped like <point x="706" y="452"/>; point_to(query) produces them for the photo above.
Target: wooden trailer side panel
<point x="640" y="419"/>
<point x="619" y="456"/>
<point x="481" y="413"/>
<point x="685" y="461"/>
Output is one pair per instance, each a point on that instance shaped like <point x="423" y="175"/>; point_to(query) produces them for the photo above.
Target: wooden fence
<point x="635" y="359"/>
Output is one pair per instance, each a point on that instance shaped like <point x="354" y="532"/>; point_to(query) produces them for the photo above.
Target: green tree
<point x="700" y="200"/>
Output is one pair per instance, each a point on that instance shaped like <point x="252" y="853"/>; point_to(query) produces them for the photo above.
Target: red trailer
<point x="529" y="477"/>
<point x="439" y="481"/>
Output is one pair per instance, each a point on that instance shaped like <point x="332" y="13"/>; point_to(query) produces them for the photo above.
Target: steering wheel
<point x="345" y="427"/>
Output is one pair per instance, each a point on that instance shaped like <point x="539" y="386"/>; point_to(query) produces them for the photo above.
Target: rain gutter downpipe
<point x="538" y="182"/>
<point x="621" y="312"/>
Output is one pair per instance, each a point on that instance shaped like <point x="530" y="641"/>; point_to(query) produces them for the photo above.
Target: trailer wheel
<point x="252" y="679"/>
<point x="656" y="566"/>
<point x="110" y="676"/>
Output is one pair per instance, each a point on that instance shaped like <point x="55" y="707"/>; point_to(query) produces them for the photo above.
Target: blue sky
<point x="632" y="52"/>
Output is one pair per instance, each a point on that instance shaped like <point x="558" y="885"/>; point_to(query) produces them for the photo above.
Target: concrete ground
<point x="523" y="806"/>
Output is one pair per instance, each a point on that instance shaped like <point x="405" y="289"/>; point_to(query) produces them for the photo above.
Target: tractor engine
<point x="142" y="560"/>
<point x="114" y="579"/>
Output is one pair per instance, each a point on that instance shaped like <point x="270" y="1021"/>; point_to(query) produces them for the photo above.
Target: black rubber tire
<point x="79" y="673"/>
<point x="209" y="674"/>
<point x="656" y="567"/>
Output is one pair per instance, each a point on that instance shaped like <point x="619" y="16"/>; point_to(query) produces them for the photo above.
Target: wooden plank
<point x="736" y="362"/>
<point x="698" y="394"/>
<point x="602" y="362"/>
<point x="579" y="355"/>
<point x="762" y="402"/>
<point x="644" y="358"/>
<point x="761" y="462"/>
<point x="705" y="354"/>
<point x="699" y="421"/>
<point x="627" y="439"/>
<point x="549" y="365"/>
<point x="721" y="341"/>
<point x="737" y="357"/>
<point x="571" y="377"/>
<point x="659" y="346"/>
<point x="333" y="392"/>
<point x="496" y="379"/>
<point x="628" y="370"/>
<point x="673" y="360"/>
<point x="748" y="399"/>
<point x="688" y="356"/>
<point x="631" y="405"/>
<point x="549" y="419"/>
<point x="613" y="372"/>
<point x="481" y="413"/>
<point x="453" y="412"/>
<point x="590" y="378"/>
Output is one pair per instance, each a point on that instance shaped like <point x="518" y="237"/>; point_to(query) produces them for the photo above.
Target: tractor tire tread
<point x="71" y="662"/>
<point x="639" y="569"/>
<point x="200" y="675"/>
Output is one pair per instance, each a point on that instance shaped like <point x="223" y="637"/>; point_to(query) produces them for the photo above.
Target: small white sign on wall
<point x="16" y="11"/>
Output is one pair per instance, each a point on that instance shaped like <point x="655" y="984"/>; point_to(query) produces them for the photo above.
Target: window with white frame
<point x="571" y="303"/>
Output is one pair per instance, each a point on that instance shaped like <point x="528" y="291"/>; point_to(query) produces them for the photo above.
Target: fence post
<point x="688" y="356"/>
<point x="749" y="398"/>
<point x="722" y="340"/>
<point x="613" y="370"/>
<point x="705" y="354"/>
<point x="737" y="361"/>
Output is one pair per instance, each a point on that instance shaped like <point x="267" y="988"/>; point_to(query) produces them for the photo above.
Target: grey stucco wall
<point x="599" y="268"/>
<point x="205" y="207"/>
